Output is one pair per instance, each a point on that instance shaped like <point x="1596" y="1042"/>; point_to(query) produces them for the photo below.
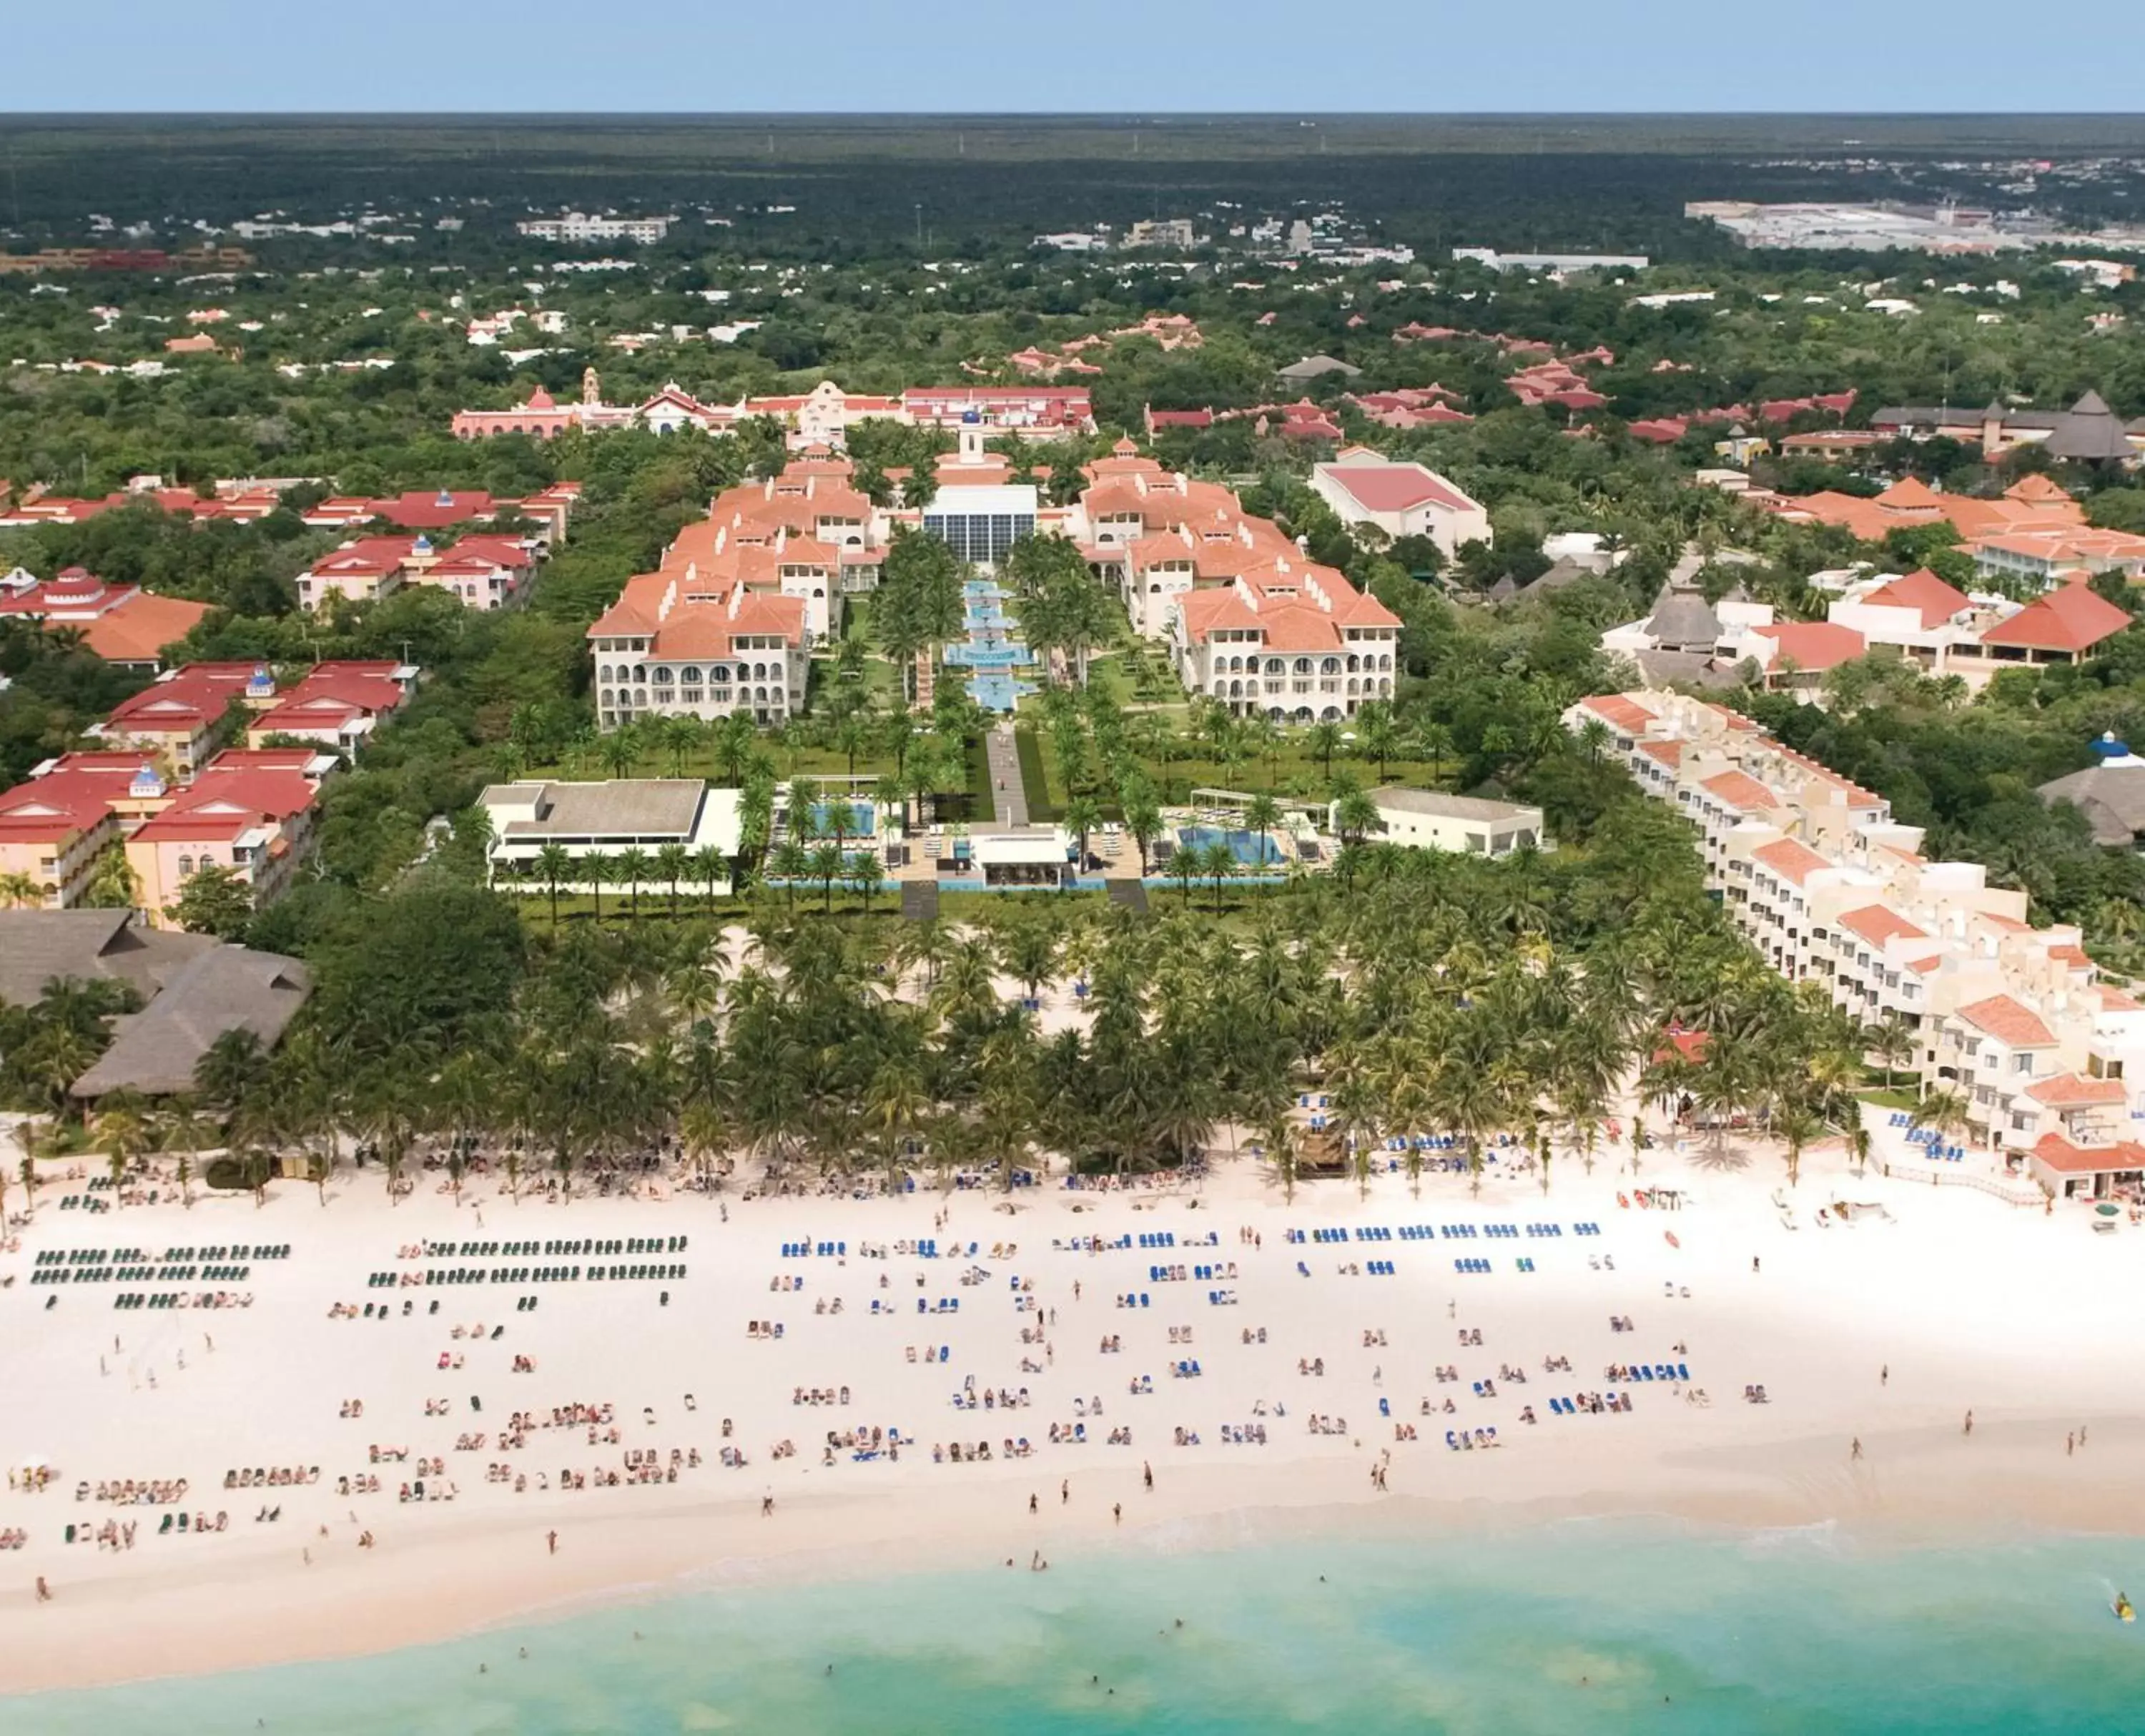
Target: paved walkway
<point x="1009" y="794"/>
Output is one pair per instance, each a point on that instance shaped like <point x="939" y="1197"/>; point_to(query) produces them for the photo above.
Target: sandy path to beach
<point x="1967" y="1303"/>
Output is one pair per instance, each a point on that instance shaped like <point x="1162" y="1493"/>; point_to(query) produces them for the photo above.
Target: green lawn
<point x="1294" y="772"/>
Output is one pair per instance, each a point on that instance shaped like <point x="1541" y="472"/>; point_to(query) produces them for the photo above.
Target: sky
<point x="990" y="56"/>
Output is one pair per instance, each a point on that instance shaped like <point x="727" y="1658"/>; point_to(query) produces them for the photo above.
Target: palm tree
<point x="1218" y="861"/>
<point x="600" y="869"/>
<point x="711" y="868"/>
<point x="1262" y="815"/>
<point x="17" y="889"/>
<point x="123" y="1130"/>
<point x="634" y="866"/>
<point x="1323" y="739"/>
<point x="1892" y="1039"/>
<point x="231" y="1069"/>
<point x="553" y="861"/>
<point x="792" y="862"/>
<point x="1081" y="817"/>
<point x="865" y="874"/>
<point x="1284" y="1155"/>
<point x="672" y="861"/>
<point x="1945" y="1112"/>
<point x="827" y="864"/>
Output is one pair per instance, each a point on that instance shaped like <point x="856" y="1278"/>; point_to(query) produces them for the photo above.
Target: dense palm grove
<point x="1519" y="1001"/>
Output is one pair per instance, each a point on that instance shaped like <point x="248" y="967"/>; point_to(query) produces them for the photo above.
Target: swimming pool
<point x="1252" y="849"/>
<point x="856" y="822"/>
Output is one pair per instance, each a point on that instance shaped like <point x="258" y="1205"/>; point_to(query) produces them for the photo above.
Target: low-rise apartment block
<point x="1830" y="889"/>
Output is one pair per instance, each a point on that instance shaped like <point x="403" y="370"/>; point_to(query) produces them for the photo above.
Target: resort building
<point x="821" y="417"/>
<point x="337" y="705"/>
<point x="1248" y="618"/>
<point x="2042" y="557"/>
<point x="604" y="819"/>
<point x="2034" y="503"/>
<point x="1401" y="499"/>
<point x="53" y="829"/>
<point x="2089" y="432"/>
<point x="728" y="620"/>
<point x="1429" y="819"/>
<point x="1830" y="889"/>
<point x="482" y="572"/>
<point x="194" y="987"/>
<point x="122" y="624"/>
<point x="250" y="813"/>
<point x="181" y="718"/>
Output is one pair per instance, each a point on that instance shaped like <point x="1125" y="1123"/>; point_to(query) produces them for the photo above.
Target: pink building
<point x="253" y="816"/>
<point x="337" y="705"/>
<point x="177" y="721"/>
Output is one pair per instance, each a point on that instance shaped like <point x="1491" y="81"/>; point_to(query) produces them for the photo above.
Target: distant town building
<point x="576" y="225"/>
<point x="1556" y="264"/>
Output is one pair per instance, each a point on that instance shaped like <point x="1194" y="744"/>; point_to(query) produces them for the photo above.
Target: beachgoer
<point x="2070" y="1445"/>
<point x="1064" y="1491"/>
<point x="552" y="1538"/>
<point x="1969" y="1422"/>
<point x="1146" y="1471"/>
<point x="1855" y="1451"/>
<point x="1884" y="1375"/>
<point x="1117" y="1511"/>
<point x="1753" y="1262"/>
<point x="1030" y="1502"/>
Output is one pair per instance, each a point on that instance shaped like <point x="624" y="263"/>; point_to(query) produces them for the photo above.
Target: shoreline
<point x="638" y="1559"/>
<point x="2030" y="1356"/>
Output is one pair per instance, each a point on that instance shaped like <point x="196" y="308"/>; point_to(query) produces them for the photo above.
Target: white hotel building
<point x="1830" y="889"/>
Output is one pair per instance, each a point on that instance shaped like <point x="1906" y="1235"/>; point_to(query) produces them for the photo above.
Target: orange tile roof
<point x="2071" y="618"/>
<point x="1791" y="860"/>
<point x="1923" y="591"/>
<point x="1740" y="789"/>
<point x="2008" y="1021"/>
<point x="2068" y="1091"/>
<point x="1625" y="713"/>
<point x="2060" y="1155"/>
<point x="1876" y="924"/>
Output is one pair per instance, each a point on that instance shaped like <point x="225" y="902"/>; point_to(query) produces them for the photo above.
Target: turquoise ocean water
<point x="1601" y="1628"/>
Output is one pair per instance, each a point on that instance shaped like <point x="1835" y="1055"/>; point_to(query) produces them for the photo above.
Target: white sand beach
<point x="1967" y="1302"/>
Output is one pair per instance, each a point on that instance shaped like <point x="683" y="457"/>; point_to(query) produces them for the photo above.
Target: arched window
<point x="719" y="675"/>
<point x="1330" y="666"/>
<point x="186" y="868"/>
<point x="690" y="675"/>
<point x="1276" y="666"/>
<point x="1303" y="665"/>
<point x="661" y="676"/>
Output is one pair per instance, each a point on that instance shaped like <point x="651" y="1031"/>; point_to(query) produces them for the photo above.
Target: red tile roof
<point x="1815" y="646"/>
<point x="2071" y="618"/>
<point x="1923" y="591"/>
<point x="1790" y="858"/>
<point x="2008" y="1021"/>
<point x="1876" y="924"/>
<point x="2069" y="1091"/>
<point x="2061" y="1155"/>
<point x="1397" y="487"/>
<point x="1740" y="789"/>
<point x="1624" y="713"/>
